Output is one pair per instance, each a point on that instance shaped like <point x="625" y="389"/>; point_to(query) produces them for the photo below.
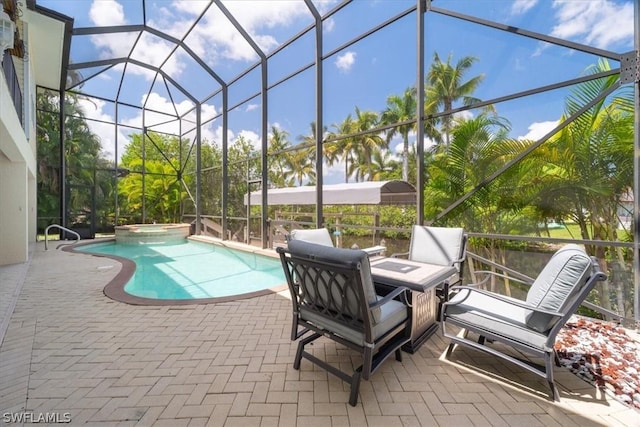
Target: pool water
<point x="193" y="270"/>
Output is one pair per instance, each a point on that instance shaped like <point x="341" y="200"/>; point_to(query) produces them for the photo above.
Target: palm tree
<point x="368" y="143"/>
<point x="382" y="165"/>
<point x="401" y="109"/>
<point x="479" y="147"/>
<point x="310" y="138"/>
<point x="278" y="143"/>
<point x="445" y="86"/>
<point x="301" y="162"/>
<point x="308" y="165"/>
<point x="84" y="161"/>
<point x="344" y="148"/>
<point x="590" y="164"/>
<point x="458" y="177"/>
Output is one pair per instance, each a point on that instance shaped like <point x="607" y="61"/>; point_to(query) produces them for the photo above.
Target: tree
<point x="401" y="109"/>
<point x="278" y="157"/>
<point x="366" y="142"/>
<point x="48" y="136"/>
<point x="302" y="165"/>
<point x="243" y="162"/>
<point x="163" y="193"/>
<point x="210" y="178"/>
<point x="590" y="164"/>
<point x="479" y="148"/>
<point x="445" y="86"/>
<point x="89" y="177"/>
<point x="590" y="161"/>
<point x="383" y="167"/>
<point x="343" y="149"/>
<point x="156" y="179"/>
<point x="299" y="166"/>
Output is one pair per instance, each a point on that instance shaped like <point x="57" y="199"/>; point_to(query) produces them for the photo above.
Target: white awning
<point x="360" y="193"/>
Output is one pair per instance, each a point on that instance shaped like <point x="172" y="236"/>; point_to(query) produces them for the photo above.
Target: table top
<point x="418" y="276"/>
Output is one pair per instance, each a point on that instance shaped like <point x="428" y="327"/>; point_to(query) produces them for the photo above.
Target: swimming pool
<point x="191" y="270"/>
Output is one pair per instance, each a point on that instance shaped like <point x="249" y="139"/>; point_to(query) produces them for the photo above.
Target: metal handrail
<point x="46" y="235"/>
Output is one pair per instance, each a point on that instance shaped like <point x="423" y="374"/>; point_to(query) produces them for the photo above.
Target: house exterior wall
<point x="14" y="209"/>
<point x="18" y="174"/>
<point x="43" y="33"/>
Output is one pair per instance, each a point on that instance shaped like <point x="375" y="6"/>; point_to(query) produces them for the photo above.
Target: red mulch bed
<point x="603" y="354"/>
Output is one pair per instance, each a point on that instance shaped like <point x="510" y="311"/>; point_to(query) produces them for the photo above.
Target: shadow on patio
<point x="68" y="349"/>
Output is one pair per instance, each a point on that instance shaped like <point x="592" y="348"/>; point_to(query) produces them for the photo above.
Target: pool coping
<point x="115" y="288"/>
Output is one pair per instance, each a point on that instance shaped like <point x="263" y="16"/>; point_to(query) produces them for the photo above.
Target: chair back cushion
<point x="342" y="293"/>
<point x="320" y="236"/>
<point x="563" y="276"/>
<point x="436" y="245"/>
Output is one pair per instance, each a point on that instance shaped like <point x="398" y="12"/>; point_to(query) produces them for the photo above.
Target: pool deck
<point x="69" y="351"/>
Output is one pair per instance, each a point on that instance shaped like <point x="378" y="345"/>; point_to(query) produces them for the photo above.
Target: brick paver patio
<point x="72" y="353"/>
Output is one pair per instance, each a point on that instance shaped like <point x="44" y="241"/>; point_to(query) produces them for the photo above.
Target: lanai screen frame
<point x="629" y="75"/>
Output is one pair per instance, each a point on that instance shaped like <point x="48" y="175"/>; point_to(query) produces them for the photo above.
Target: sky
<point x="361" y="75"/>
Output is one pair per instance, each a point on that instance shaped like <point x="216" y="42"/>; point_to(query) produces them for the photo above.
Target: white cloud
<point x="429" y="144"/>
<point x="93" y="111"/>
<point x="333" y="174"/>
<point x="345" y="61"/>
<point x="217" y="135"/>
<point x="107" y="12"/>
<point x="177" y="17"/>
<point x="600" y="23"/>
<point x="396" y="145"/>
<point x="324" y="6"/>
<point x="149" y="48"/>
<point x="539" y="129"/>
<point x="232" y="137"/>
<point x="100" y="122"/>
<point x="249" y="136"/>
<point x="117" y="45"/>
<point x="328" y="25"/>
<point x="520" y="7"/>
<point x="153" y="50"/>
<point x="463" y="115"/>
<point x="215" y="38"/>
<point x="156" y="121"/>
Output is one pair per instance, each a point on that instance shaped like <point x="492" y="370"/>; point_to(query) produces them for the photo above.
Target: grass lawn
<point x="572" y="231"/>
<point x="569" y="231"/>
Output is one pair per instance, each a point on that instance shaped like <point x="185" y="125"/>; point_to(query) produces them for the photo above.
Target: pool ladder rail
<point x="46" y="236"/>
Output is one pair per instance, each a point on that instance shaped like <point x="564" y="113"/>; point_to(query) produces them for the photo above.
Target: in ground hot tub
<point x="146" y="234"/>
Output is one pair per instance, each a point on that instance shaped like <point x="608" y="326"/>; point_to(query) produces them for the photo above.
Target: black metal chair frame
<point x="328" y="310"/>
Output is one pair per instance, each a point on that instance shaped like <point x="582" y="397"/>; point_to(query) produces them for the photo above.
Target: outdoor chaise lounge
<point x="440" y="246"/>
<point x="321" y="236"/>
<point x="528" y="326"/>
<point x="333" y="296"/>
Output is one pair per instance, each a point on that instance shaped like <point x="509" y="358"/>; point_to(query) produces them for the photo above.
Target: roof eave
<point x="49" y="45"/>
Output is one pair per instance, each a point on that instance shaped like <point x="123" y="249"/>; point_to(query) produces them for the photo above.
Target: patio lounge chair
<point x="528" y="326"/>
<point x="440" y="246"/>
<point x="333" y="296"/>
<point x="321" y="236"/>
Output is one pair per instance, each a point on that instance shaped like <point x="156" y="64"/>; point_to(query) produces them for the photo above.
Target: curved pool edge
<point x="115" y="288"/>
